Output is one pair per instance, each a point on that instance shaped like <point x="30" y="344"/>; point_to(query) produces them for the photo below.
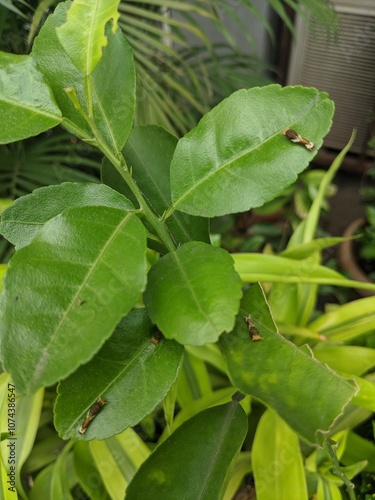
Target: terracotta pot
<point x="348" y="259"/>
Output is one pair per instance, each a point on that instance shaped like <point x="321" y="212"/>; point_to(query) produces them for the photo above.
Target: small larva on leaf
<point x="91" y="414"/>
<point x="253" y="330"/>
<point x="293" y="136"/>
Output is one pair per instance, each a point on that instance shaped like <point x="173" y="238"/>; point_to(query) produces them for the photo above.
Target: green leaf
<point x="365" y="397"/>
<point x="281" y="375"/>
<point x="43" y="484"/>
<point x="44" y="451"/>
<point x="276" y="269"/>
<point x="3" y="269"/>
<point x="129" y="359"/>
<point x="82" y="36"/>
<point x="201" y="449"/>
<point x="5" y="204"/>
<point x="237" y="157"/>
<point x="310" y="225"/>
<point x="149" y="152"/>
<point x="209" y="353"/>
<point x="277" y="461"/>
<point x="28" y="410"/>
<point x="9" y="5"/>
<point x="357" y="449"/>
<point x="27" y="106"/>
<point x="20" y="222"/>
<point x="305" y="250"/>
<point x="241" y="468"/>
<point x="20" y="418"/>
<point x="212" y="398"/>
<point x="56" y="480"/>
<point x="117" y="460"/>
<point x="88" y="475"/>
<point x="66" y="291"/>
<point x="52" y="159"/>
<point x="348" y="321"/>
<point x="106" y="96"/>
<point x="328" y="490"/>
<point x="193" y="294"/>
<point x="350" y="359"/>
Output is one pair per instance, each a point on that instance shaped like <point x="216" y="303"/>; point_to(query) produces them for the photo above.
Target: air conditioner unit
<point x="343" y="66"/>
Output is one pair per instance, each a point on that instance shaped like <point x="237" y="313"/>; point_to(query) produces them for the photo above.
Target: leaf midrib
<point x="43" y="359"/>
<point x="227" y="165"/>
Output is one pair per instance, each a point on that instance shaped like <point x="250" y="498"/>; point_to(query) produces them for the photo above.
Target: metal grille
<point x="343" y="67"/>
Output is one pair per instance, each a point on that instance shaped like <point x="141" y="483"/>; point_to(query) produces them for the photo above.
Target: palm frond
<point x="48" y="159"/>
<point x="8" y="4"/>
<point x="179" y="83"/>
<point x="39" y="15"/>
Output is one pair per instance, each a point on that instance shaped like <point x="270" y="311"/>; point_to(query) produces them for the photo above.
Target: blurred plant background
<point x="181" y="74"/>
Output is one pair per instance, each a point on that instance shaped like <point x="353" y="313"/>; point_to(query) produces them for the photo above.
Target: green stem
<point x="153" y="219"/>
<point x="336" y="469"/>
<point x="120" y="165"/>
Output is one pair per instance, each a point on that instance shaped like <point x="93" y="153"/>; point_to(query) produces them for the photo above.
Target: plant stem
<point x="118" y="161"/>
<point x="120" y="165"/>
<point x="336" y="468"/>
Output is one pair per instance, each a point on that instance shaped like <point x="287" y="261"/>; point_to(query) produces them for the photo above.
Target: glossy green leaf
<point x="310" y="224"/>
<point x="366" y="394"/>
<point x="52" y="159"/>
<point x="88" y="475"/>
<point x="62" y="478"/>
<point x="44" y="451"/>
<point x="9" y="5"/>
<point x="208" y="400"/>
<point x="149" y="151"/>
<point x="241" y="468"/>
<point x="193" y="294"/>
<point x="277" y="461"/>
<point x="84" y="41"/>
<point x="42" y="484"/>
<point x="351" y="359"/>
<point x="305" y="250"/>
<point x="131" y="372"/>
<point x="294" y="303"/>
<point x="56" y="480"/>
<point x="169" y="408"/>
<point x="358" y="448"/>
<point x="283" y="376"/>
<point x="209" y="353"/>
<point x="274" y="268"/>
<point x="26" y="421"/>
<point x="106" y="96"/>
<point x="117" y="460"/>
<point x="4" y="204"/>
<point x="348" y="321"/>
<point x="3" y="269"/>
<point x="27" y="106"/>
<point x="202" y="449"/>
<point x="20" y="222"/>
<point x="189" y="386"/>
<point x="4" y="478"/>
<point x="237" y="157"/>
<point x="65" y="292"/>
<point x="328" y="490"/>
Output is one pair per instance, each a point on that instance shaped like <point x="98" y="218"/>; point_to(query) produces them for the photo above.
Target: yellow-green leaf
<point x="83" y="34"/>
